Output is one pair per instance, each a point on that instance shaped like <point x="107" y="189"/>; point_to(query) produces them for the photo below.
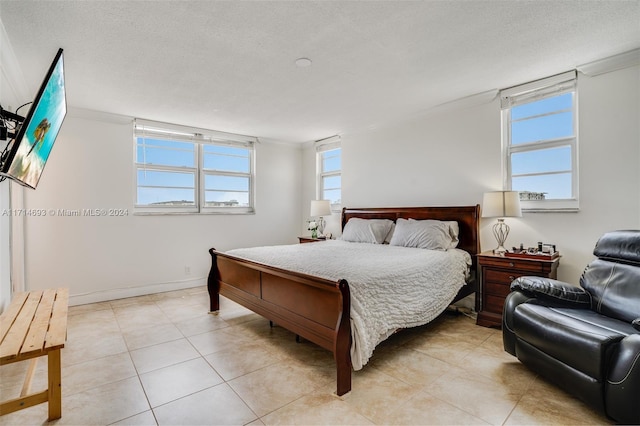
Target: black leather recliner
<point x="585" y="339"/>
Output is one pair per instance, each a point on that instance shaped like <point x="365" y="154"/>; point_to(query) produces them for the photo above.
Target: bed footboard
<point x="312" y="307"/>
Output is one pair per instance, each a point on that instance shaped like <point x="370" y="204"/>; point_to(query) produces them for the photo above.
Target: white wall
<point x="101" y="258"/>
<point x="13" y="93"/>
<point x="451" y="157"/>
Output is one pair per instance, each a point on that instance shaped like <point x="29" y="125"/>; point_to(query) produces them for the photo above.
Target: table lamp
<point x="501" y="204"/>
<point x="320" y="208"/>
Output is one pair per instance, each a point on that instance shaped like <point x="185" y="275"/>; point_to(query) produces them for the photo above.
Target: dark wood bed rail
<point x="315" y="308"/>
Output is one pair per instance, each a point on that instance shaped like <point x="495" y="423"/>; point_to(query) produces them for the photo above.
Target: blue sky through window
<point x="546" y="169"/>
<point x="556" y="186"/>
<point x="541" y="161"/>
<point x="172" y="186"/>
<point x="166" y="153"/>
<point x="226" y="158"/>
<point x="543" y="106"/>
<point x="331" y="161"/>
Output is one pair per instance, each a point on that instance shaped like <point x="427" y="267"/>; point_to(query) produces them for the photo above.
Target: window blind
<point x="156" y="130"/>
<point x="529" y="92"/>
<point x="328" y="144"/>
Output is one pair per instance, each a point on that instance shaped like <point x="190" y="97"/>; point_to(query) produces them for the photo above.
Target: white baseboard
<point x="121" y="293"/>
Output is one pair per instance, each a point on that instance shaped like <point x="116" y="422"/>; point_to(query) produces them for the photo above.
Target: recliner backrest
<point x="613" y="279"/>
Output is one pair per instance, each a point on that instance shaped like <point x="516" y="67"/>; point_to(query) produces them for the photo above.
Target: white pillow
<point x="454" y="231"/>
<point x="427" y="234"/>
<point x="366" y="230"/>
<point x="387" y="239"/>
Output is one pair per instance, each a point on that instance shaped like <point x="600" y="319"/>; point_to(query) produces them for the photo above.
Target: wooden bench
<point x="34" y="325"/>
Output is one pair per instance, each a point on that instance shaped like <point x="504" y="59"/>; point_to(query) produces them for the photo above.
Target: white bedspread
<point x="391" y="287"/>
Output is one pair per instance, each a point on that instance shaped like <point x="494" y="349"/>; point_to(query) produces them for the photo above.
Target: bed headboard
<point x="468" y="218"/>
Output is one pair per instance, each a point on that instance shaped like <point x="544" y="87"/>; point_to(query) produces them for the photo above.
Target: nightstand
<point x="310" y="239"/>
<point x="496" y="274"/>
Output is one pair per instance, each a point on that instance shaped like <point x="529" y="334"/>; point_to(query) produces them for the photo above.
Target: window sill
<point x="550" y="206"/>
<point x="192" y="213"/>
<point x="551" y="210"/>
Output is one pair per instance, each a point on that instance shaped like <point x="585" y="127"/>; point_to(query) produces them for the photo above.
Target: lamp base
<point x="321" y="224"/>
<point x="499" y="250"/>
<point x="500" y="231"/>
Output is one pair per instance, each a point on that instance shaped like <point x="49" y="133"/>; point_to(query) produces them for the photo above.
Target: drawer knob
<point x="511" y="264"/>
<point x="511" y="278"/>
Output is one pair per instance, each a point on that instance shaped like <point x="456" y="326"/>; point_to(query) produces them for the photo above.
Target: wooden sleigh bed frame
<point x="315" y="308"/>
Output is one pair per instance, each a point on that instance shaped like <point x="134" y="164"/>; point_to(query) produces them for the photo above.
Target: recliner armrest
<point x="552" y="291"/>
<point x="511" y="302"/>
<point x="623" y="381"/>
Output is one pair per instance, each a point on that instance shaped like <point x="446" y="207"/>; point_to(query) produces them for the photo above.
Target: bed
<point x="317" y="304"/>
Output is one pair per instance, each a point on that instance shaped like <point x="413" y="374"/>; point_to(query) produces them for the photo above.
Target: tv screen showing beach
<point x="40" y="129"/>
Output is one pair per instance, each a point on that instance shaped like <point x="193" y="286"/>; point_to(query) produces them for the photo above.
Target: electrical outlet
<point x="187" y="270"/>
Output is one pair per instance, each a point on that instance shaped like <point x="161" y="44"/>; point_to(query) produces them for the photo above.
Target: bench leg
<point x="26" y="387"/>
<point x="55" y="385"/>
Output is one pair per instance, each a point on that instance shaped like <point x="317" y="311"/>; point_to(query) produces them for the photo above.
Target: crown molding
<point x="611" y="63"/>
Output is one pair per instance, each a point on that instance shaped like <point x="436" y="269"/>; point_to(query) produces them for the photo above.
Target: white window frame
<point x="199" y="138"/>
<point x="329" y="144"/>
<point x="531" y="92"/>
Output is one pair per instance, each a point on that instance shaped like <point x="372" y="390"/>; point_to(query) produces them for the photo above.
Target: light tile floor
<point x="162" y="359"/>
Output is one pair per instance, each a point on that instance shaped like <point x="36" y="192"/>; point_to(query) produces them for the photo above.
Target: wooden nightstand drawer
<point x="497" y="289"/>
<point x="500" y="276"/>
<point x="514" y="264"/>
<point x="494" y="304"/>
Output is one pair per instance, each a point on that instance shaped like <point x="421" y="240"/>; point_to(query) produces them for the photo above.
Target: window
<point x="539" y="133"/>
<point x="329" y="167"/>
<point x="184" y="170"/>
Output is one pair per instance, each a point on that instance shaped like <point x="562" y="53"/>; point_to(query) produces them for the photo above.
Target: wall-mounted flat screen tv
<point x="29" y="151"/>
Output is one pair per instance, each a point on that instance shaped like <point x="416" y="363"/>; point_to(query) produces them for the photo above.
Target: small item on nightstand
<point x="313" y="227"/>
<point x="542" y="250"/>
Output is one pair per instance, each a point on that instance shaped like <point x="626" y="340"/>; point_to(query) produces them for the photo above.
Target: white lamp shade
<point x="320" y="208"/>
<point x="501" y="204"/>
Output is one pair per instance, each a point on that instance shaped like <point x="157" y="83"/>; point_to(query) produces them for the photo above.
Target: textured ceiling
<point x="230" y="66"/>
